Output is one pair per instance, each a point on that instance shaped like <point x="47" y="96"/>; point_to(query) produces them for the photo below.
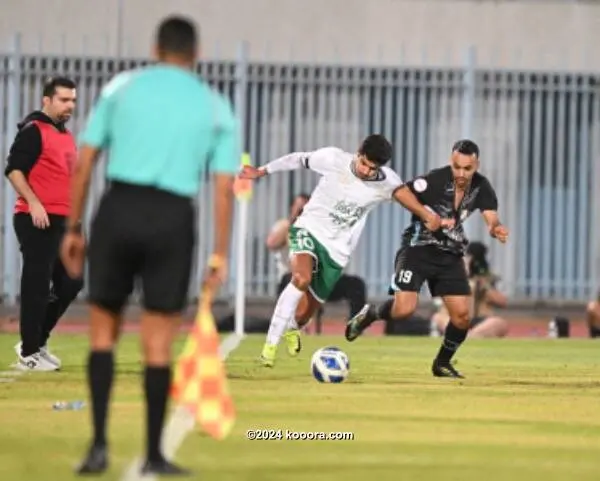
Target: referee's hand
<point x="72" y="254"/>
<point x="216" y="272"/>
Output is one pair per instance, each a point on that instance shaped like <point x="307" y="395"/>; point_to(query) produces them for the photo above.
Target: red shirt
<point x="45" y="152"/>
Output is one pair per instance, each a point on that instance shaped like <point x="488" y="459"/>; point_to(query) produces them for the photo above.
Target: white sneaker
<point x="48" y="356"/>
<point x="34" y="362"/>
<point x="44" y="354"/>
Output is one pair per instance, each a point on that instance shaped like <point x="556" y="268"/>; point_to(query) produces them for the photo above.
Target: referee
<point x="161" y="126"/>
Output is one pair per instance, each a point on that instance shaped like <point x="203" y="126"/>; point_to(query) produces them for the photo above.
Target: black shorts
<point x="145" y="234"/>
<point x="444" y="272"/>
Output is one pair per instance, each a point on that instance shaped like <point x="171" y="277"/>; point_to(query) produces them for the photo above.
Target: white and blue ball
<point x="330" y="364"/>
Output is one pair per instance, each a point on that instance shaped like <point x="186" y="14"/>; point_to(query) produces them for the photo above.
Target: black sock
<point x="100" y="377"/>
<point x="453" y="338"/>
<point x="385" y="310"/>
<point x="594" y="331"/>
<point x="157" y="381"/>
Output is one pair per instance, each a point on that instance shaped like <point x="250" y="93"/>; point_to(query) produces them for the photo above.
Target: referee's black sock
<point x="453" y="338"/>
<point x="100" y="378"/>
<point x="157" y="381"/>
<point x="594" y="331"/>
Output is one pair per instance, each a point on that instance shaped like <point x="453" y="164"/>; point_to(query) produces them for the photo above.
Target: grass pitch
<point x="527" y="410"/>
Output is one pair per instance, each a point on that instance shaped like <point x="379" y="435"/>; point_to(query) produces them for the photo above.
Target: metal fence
<point x="539" y="132"/>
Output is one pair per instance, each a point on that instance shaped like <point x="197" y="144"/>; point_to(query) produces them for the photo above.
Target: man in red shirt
<point x="39" y="167"/>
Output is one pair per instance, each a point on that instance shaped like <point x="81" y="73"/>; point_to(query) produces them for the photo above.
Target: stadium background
<point x="519" y="77"/>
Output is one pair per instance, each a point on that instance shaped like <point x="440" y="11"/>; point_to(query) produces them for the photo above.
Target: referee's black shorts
<point x="141" y="233"/>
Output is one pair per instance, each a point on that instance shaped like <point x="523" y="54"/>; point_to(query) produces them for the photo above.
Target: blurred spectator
<point x="277" y="240"/>
<point x="486" y="296"/>
<point x="350" y="288"/>
<point x="593" y="317"/>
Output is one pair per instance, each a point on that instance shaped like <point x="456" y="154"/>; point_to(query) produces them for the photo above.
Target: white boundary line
<point x="180" y="424"/>
<point x="9" y="376"/>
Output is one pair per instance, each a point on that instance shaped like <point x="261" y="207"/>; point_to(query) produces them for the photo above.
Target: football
<point x="330" y="364"/>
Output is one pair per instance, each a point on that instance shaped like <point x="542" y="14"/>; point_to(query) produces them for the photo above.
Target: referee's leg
<point x="165" y="276"/>
<point x="112" y="266"/>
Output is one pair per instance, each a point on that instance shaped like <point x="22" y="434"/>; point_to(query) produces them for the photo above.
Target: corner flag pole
<point x="243" y="192"/>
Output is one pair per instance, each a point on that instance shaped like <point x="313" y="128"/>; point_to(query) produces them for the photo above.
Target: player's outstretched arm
<point x="320" y="161"/>
<point x="407" y="199"/>
<point x="282" y="164"/>
<point x="494" y="225"/>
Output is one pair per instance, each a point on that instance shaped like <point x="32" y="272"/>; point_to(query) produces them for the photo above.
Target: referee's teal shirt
<point x="162" y="126"/>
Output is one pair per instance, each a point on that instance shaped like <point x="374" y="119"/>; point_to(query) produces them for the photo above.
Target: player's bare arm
<point x="407" y="199"/>
<point x="293" y="161"/>
<point x="495" y="227"/>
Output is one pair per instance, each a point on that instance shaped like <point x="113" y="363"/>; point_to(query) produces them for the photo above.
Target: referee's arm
<point x="94" y="139"/>
<point x="225" y="164"/>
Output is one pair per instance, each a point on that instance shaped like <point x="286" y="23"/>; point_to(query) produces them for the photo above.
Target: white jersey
<point x="337" y="210"/>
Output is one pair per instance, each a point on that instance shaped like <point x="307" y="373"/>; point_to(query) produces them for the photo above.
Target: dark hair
<point x="466" y="147"/>
<point x="177" y="35"/>
<point x="377" y="149"/>
<point x="53" y="83"/>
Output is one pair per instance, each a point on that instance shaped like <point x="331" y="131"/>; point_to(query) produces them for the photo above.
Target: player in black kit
<point x="452" y="192"/>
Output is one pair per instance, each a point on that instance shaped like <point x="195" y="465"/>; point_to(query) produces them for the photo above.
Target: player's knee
<point x="301" y="280"/>
<point x="461" y="318"/>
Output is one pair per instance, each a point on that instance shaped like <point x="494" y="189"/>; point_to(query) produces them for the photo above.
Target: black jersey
<point x="436" y="190"/>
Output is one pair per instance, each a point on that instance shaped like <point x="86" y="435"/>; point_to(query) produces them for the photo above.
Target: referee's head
<point x="177" y="41"/>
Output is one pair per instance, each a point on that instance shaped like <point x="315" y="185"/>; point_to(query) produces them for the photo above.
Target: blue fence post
<point x="11" y="253"/>
<point x="468" y="100"/>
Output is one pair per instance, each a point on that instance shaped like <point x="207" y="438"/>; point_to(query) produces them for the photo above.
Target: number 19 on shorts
<point x="404" y="276"/>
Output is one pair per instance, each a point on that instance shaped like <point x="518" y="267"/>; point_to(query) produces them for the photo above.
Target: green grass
<point x="527" y="409"/>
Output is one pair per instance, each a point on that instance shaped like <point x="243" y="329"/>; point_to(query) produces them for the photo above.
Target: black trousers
<point x="41" y="305"/>
<point x="350" y="288"/>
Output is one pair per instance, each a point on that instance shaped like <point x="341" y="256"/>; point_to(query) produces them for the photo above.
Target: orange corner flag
<point x="200" y="381"/>
<point x="242" y="188"/>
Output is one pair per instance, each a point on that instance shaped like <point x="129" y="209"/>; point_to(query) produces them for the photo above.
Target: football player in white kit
<point x="323" y="237"/>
